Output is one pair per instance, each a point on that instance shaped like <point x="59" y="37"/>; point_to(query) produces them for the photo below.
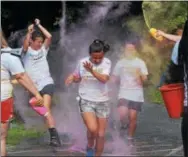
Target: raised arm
<point x="3" y="41"/>
<point x="47" y="35"/>
<point x="27" y="38"/>
<point x="171" y="37"/>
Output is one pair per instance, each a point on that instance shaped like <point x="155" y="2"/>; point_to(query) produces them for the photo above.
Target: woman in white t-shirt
<point x="130" y="72"/>
<point x="93" y="73"/>
<point x="11" y="65"/>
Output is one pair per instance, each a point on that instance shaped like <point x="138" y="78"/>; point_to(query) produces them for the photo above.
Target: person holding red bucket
<point x="173" y="66"/>
<point x="175" y="95"/>
<point x="183" y="59"/>
<point x="173" y="91"/>
<point x="11" y="64"/>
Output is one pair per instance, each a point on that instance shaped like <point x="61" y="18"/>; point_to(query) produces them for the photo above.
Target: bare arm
<point x="24" y="80"/>
<point x="47" y="35"/>
<point x="3" y="41"/>
<point x="27" y="38"/>
<point x="101" y="77"/>
<point x="72" y="78"/>
<point x="171" y="37"/>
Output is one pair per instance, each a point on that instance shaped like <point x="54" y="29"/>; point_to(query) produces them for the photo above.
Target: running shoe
<point x="90" y="152"/>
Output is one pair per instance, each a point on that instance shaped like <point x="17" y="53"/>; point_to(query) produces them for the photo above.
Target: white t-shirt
<point x="10" y="65"/>
<point x="130" y="87"/>
<point x="36" y="65"/>
<point x="90" y="88"/>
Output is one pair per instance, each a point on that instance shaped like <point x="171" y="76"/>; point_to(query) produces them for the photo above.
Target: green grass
<point x="153" y="95"/>
<point x="18" y="133"/>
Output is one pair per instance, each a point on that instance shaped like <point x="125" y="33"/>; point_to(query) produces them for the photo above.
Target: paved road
<point x="156" y="135"/>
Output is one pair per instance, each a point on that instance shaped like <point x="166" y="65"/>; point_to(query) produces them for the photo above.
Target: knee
<point x="93" y="130"/>
<point x="3" y="134"/>
<point x="101" y="134"/>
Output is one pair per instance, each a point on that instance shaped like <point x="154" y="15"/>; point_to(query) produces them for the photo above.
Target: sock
<point x="52" y="132"/>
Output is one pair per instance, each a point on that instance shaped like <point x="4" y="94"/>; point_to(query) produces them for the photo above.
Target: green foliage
<point x="166" y="16"/>
<point x="153" y="95"/>
<point x="16" y="134"/>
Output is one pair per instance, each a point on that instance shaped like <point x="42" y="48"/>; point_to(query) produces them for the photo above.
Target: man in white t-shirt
<point x="35" y="62"/>
<point x="11" y="65"/>
<point x="130" y="72"/>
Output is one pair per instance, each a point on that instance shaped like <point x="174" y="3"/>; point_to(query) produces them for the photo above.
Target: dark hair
<point x="183" y="49"/>
<point x="98" y="46"/>
<point x="37" y="34"/>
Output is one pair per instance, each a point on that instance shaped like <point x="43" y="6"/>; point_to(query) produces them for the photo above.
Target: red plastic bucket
<point x="173" y="96"/>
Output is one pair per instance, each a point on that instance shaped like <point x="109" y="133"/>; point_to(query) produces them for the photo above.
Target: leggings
<point x="184" y="131"/>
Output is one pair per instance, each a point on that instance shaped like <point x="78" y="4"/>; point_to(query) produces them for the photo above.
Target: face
<point x="97" y="57"/>
<point x="37" y="43"/>
<point x="129" y="50"/>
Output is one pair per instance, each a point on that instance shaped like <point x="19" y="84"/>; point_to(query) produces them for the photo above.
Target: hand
<point x="31" y="28"/>
<point x="37" y="21"/>
<point x="160" y="33"/>
<point x="39" y="99"/>
<point x="137" y="72"/>
<point x="69" y="80"/>
<point x="88" y="66"/>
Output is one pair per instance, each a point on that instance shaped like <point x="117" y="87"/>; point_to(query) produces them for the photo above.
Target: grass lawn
<point x="153" y="95"/>
<point x="16" y="134"/>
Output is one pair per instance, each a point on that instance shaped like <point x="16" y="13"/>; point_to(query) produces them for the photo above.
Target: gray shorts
<point x="100" y="109"/>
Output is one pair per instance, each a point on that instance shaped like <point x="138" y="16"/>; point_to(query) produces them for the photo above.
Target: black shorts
<point x="48" y="89"/>
<point x="130" y="104"/>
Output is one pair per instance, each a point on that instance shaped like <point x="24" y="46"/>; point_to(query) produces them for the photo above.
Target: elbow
<point x="49" y="37"/>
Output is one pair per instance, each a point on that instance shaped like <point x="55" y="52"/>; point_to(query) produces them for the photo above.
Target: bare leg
<point x="132" y="123"/>
<point x="102" y="123"/>
<point x="54" y="137"/>
<point x="90" y="121"/>
<point x="4" y="132"/>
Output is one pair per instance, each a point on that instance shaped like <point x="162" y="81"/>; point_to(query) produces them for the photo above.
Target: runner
<point x="130" y="72"/>
<point x="35" y="62"/>
<point x="183" y="59"/>
<point x="11" y="64"/>
<point x="93" y="73"/>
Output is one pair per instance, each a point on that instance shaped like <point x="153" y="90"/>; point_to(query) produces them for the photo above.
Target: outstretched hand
<point x="160" y="33"/>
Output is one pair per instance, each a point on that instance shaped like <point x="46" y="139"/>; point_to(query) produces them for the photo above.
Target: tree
<point x="167" y="16"/>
